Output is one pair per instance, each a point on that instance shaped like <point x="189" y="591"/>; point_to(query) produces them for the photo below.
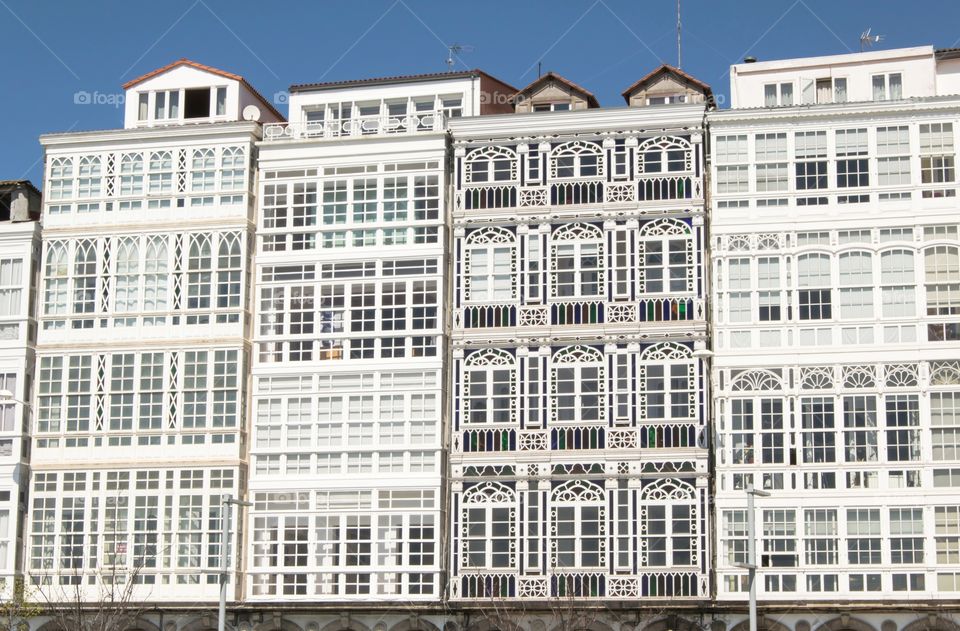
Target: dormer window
<point x="166" y="105"/>
<point x="551" y="107"/>
<point x="196" y="103"/>
<point x="665" y="100"/>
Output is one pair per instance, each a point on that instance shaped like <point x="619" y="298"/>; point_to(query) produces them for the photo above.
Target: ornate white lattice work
<point x="756" y="381"/>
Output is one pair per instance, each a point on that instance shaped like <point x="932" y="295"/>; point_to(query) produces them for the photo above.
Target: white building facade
<point x="577" y="398"/>
<point x="836" y="258"/>
<point x="19" y="256"/>
<point x="143" y="347"/>
<point x="347" y="461"/>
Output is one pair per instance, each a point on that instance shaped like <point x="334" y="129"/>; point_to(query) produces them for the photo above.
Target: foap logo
<point x="99" y="98"/>
<point x="495" y="98"/>
<point x="281" y="97"/>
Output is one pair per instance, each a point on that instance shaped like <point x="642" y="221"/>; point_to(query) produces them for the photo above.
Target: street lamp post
<point x="751" y="564"/>
<point x="227" y="501"/>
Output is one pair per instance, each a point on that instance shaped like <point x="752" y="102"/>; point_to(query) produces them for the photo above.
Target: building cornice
<point x="621" y="119"/>
<point x="870" y="109"/>
<point x="146" y="134"/>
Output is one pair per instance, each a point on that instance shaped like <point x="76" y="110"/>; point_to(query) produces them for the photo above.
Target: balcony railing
<point x="668" y="583"/>
<point x="579" y="193"/>
<point x="579" y="437"/>
<point x="380" y="125"/>
<point x="579" y="313"/>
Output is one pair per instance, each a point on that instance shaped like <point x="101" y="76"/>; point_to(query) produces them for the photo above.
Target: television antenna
<point x="867" y="39"/>
<point x="455" y="49"/>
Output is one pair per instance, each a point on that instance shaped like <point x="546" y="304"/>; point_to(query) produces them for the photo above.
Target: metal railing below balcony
<point x="380" y="125"/>
<point x="579" y="313"/>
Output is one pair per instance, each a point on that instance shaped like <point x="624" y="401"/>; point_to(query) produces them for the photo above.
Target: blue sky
<point x="53" y="49"/>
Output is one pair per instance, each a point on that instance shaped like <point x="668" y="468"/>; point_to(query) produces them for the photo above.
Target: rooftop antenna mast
<point x="455" y="49"/>
<point x="867" y="40"/>
<point x="678" y="34"/>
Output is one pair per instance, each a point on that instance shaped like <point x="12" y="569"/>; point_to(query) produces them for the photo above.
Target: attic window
<point x="663" y="100"/>
<point x="196" y="103"/>
<point x="551" y="107"/>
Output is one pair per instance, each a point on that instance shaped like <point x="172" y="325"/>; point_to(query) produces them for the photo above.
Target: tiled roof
<point x="661" y="69"/>
<point x="18" y="183"/>
<point x="591" y="99"/>
<point x="409" y="78"/>
<point x="193" y="64"/>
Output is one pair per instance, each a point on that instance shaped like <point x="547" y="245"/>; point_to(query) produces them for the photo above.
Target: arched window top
<point x="856" y="267"/>
<point x="63" y="162"/>
<point x="229" y="250"/>
<point x="232" y="156"/>
<point x="202" y="153"/>
<point x="668" y="489"/>
<point x="577" y="147"/>
<point x="901" y="375"/>
<point x="86" y="252"/>
<point x="493" y="234"/>
<point x="577" y="491"/>
<point x="665" y="351"/>
<point x="664" y="143"/>
<point x="756" y="381"/>
<point x="89" y="161"/>
<point x="577" y="355"/>
<point x="665" y="227"/>
<point x="576" y="159"/>
<point x="816" y="378"/>
<point x="131" y="162"/>
<point x="56" y="259"/>
<point x="577" y="232"/>
<point x="155" y="255"/>
<point x="491" y="164"/>
<point x="941" y="263"/>
<point x="664" y="155"/>
<point x="813" y="270"/>
<point x="490" y="357"/>
<point x="158" y="158"/>
<point x="199" y="248"/>
<point x="945" y="373"/>
<point x="859" y="376"/>
<point x="489" y="493"/>
<point x="128" y="256"/>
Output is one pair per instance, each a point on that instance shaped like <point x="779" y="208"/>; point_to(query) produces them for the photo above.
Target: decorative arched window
<point x="199" y="276"/>
<point x="490" y="164"/>
<point x="666" y="154"/>
<point x="576" y="159"/>
<point x="229" y="268"/>
<point x="576" y="261"/>
<point x="490" y="264"/>
<point x="61" y="178"/>
<point x="161" y="172"/>
<point x="488" y="527"/>
<point x="126" y="298"/>
<point x="489" y="387"/>
<point x="85" y="277"/>
<point x="669" y="524"/>
<point x="89" y="177"/>
<point x="232" y="168"/>
<point x="813" y="279"/>
<point x="131" y="174"/>
<point x="666" y="257"/>
<point x="56" y="271"/>
<point x="669" y="383"/>
<point x="942" y="279"/>
<point x="856" y="285"/>
<point x="897" y="283"/>
<point x="757" y="417"/>
<point x="578" y="526"/>
<point x="578" y="385"/>
<point x="155" y="278"/>
<point x="203" y="174"/>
